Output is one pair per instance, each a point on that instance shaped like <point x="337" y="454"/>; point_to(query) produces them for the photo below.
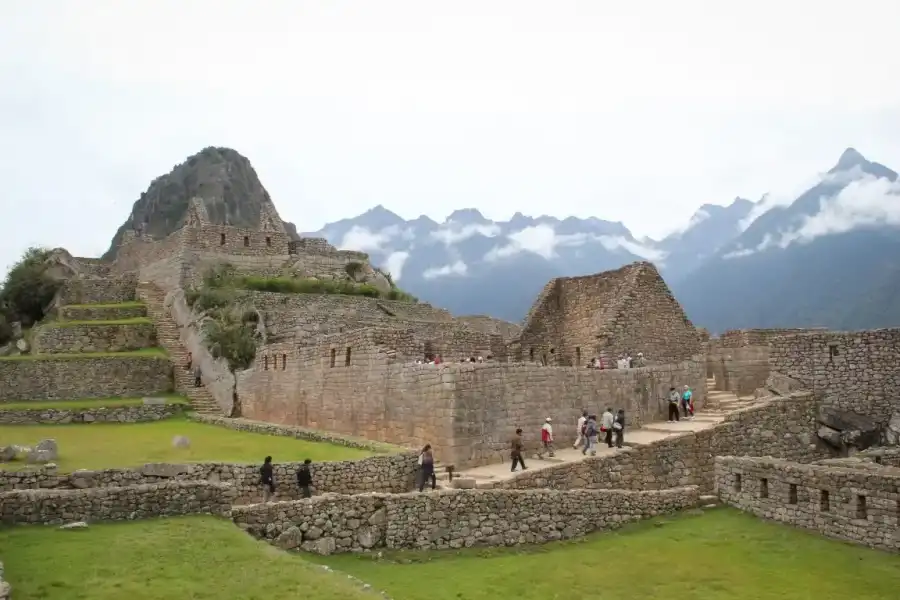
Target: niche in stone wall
<point x="266" y="363"/>
<point x="221" y="239"/>
<point x="269" y="242"/>
<point x="577" y="356"/>
<point x="283" y="362"/>
<point x="833" y="351"/>
<point x="531" y="354"/>
<point x="333" y="356"/>
<point x="246" y="241"/>
<point x="347" y="358"/>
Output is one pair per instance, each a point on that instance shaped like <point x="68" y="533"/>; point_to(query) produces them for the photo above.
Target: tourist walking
<point x="619" y="427"/>
<point x="304" y="479"/>
<point x="606" y="426"/>
<point x="267" y="479"/>
<point x="579" y="429"/>
<point x="426" y="468"/>
<point x="674" y="399"/>
<point x="687" y="402"/>
<point x="197" y="374"/>
<point x="547" y="436"/>
<point x="516" y="447"/>
<point x="590" y="435"/>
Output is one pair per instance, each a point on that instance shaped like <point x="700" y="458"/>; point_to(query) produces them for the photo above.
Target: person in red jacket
<point x="547" y="436"/>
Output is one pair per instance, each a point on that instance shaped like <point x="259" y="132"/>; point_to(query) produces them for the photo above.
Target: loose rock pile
<point x="45" y="451"/>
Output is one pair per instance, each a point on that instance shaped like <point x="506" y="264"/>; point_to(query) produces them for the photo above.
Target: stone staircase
<point x="720" y="402"/>
<point x="168" y="337"/>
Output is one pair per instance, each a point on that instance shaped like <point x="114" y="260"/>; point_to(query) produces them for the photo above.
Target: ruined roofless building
<point x="627" y="310"/>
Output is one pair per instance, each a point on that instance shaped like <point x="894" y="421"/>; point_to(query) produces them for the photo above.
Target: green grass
<point x="145" y="352"/>
<point x="132" y="304"/>
<point x="83" y="403"/>
<point x="131" y="321"/>
<point x="720" y="555"/>
<point x="196" y="558"/>
<point x="109" y="445"/>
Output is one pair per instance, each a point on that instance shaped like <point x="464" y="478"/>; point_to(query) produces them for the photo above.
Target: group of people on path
<point x="588" y="430"/>
<point x="267" y="479"/>
<point x="684" y="400"/>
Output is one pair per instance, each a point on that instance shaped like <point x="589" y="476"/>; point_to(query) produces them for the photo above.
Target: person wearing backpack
<point x="426" y="468"/>
<point x="304" y="479"/>
<point x="674" y="399"/>
<point x="619" y="427"/>
<point x="267" y="479"/>
<point x="590" y="434"/>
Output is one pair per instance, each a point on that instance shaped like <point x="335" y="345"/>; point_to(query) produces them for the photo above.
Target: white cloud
<point x="451" y="235"/>
<point x="363" y="240"/>
<point x="543" y="241"/>
<point x="697" y="218"/>
<point x="457" y="268"/>
<point x="394" y="264"/>
<point x="866" y="201"/>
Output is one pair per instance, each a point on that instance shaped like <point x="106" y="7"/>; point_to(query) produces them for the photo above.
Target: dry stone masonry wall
<point x="55" y="507"/>
<point x="65" y="416"/>
<point x="855" y="372"/>
<point x="102" y="312"/>
<point x="858" y="505"/>
<point x="95" y="290"/>
<point x="451" y="518"/>
<point x="49" y="378"/>
<point x="63" y="337"/>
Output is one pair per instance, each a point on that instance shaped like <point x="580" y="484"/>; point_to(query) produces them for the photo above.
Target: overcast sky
<point x="636" y="111"/>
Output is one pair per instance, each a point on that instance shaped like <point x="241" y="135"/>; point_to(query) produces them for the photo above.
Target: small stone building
<point x="627" y="310"/>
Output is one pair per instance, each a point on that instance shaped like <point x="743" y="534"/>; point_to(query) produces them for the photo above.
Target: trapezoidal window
<point x="792" y="494"/>
<point x="577" y="356"/>
<point x="221" y="239"/>
<point x="763" y="488"/>
<point x="861" y="510"/>
<point x="347" y="358"/>
<point x="737" y="482"/>
<point x="333" y="355"/>
<point x="824" y="501"/>
<point x="531" y="354"/>
<point x="247" y="241"/>
<point x="283" y="362"/>
<point x="266" y="363"/>
<point x="269" y="242"/>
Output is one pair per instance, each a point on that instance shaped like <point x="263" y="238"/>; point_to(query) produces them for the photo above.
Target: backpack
<point x="421" y="459"/>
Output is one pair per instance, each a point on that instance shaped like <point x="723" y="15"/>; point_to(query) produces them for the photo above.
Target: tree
<point x="28" y="289"/>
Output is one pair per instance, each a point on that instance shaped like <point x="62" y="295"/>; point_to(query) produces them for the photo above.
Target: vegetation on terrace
<point x="131" y="321"/>
<point x="720" y="555"/>
<point x="201" y="558"/>
<point x="87" y="403"/>
<point x="111" y="445"/>
<point x="26" y="291"/>
<point x="143" y="352"/>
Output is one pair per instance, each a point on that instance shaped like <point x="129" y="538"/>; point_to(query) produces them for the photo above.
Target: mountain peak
<point x="849" y="158"/>
<point x="467" y="216"/>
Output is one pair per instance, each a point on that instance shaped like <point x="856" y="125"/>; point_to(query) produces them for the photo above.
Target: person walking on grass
<point x="304" y="479"/>
<point x="579" y="430"/>
<point x="516" y="447"/>
<point x="547" y="436"/>
<point x="687" y="402"/>
<point x="674" y="399"/>
<point x="619" y="427"/>
<point x="590" y="435"/>
<point x="426" y="468"/>
<point x="606" y="426"/>
<point x="267" y="479"/>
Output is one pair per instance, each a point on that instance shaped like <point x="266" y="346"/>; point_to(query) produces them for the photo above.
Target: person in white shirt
<point x="606" y="426"/>
<point x="579" y="430"/>
<point x="547" y="436"/>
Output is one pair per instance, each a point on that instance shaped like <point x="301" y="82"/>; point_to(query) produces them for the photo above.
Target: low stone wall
<point x="61" y="337"/>
<point x="451" y="518"/>
<point x="102" y="312"/>
<point x="54" y="507"/>
<point x="113" y="414"/>
<point x="783" y="427"/>
<point x="857" y="505"/>
<point x="387" y="474"/>
<point x="296" y="432"/>
<point x="49" y="378"/>
<point x="96" y="290"/>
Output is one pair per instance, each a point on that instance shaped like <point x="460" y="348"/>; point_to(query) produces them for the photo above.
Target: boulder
<point x="290" y="539"/>
<point x="16" y="328"/>
<point x="892" y="431"/>
<point x="39" y="456"/>
<point x="22" y="345"/>
<point x="856" y="430"/>
<point x="180" y="441"/>
<point x="49" y="447"/>
<point x="323" y="546"/>
<point x="830" y="436"/>
<point x="7" y="453"/>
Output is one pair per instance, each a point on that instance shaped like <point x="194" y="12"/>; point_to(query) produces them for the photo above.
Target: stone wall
<point x="852" y="371"/>
<point x="64" y="337"/>
<point x="857" y="505"/>
<point x="54" y="507"/>
<point x="451" y="518"/>
<point x="388" y="474"/>
<point x="740" y="370"/>
<point x="48" y="378"/>
<point x="783" y="427"/>
<point x="628" y="310"/>
<point x="508" y="331"/>
<point x="60" y="416"/>
<point x="97" y="290"/>
<point x="466" y="411"/>
<point x="492" y="400"/>
<point x="101" y="312"/>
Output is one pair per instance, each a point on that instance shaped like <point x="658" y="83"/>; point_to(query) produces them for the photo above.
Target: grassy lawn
<point x="108" y="445"/>
<point x="88" y="403"/>
<point x="131" y="321"/>
<point x="147" y="352"/>
<point x="195" y="558"/>
<point x="720" y="555"/>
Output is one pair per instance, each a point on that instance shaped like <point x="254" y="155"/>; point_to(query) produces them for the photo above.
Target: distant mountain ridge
<point x="740" y="265"/>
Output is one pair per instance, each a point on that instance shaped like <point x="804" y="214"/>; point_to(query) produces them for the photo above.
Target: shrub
<point x="289" y="285"/>
<point x="28" y="289"/>
<point x="230" y="337"/>
<point x="5" y="330"/>
<point x="210" y="299"/>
